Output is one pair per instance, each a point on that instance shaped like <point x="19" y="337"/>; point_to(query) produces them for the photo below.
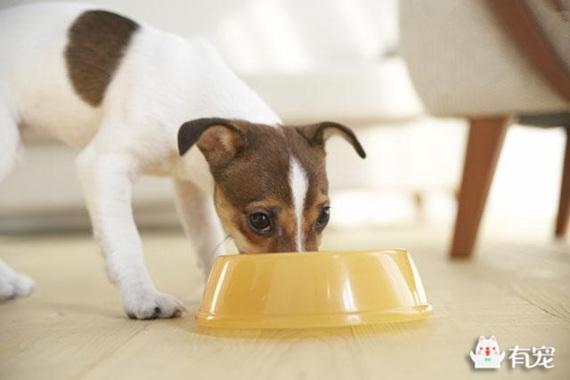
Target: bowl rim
<point x="326" y="253"/>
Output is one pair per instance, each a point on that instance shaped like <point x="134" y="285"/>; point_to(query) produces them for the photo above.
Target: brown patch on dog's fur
<point x="97" y="42"/>
<point x="258" y="170"/>
<point x="250" y="164"/>
<point x="255" y="179"/>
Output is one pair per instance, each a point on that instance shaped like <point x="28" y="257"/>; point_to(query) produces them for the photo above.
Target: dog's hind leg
<point x="12" y="283"/>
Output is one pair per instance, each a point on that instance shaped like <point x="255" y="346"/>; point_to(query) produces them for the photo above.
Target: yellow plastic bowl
<point x="315" y="289"/>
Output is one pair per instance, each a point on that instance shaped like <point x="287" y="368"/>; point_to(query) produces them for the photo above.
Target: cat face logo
<point x="487" y="353"/>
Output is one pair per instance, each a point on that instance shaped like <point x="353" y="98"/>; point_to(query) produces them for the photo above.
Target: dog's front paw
<point x="152" y="305"/>
<point x="13" y="285"/>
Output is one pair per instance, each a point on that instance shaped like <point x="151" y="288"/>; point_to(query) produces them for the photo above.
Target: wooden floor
<point x="73" y="327"/>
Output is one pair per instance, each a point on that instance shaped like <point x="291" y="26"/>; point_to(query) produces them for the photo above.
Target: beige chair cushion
<point x="462" y="63"/>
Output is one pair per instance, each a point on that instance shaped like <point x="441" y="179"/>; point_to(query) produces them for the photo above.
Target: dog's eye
<point x="259" y="222"/>
<point x="323" y="219"/>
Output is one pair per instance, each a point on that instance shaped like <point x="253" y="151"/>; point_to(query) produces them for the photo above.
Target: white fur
<point x="298" y="184"/>
<point x="13" y="284"/>
<point x="162" y="82"/>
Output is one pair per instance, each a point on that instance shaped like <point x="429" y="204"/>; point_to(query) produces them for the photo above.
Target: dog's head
<point x="271" y="187"/>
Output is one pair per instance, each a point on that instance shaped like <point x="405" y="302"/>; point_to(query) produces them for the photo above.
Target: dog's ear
<point x="318" y="134"/>
<point x="218" y="139"/>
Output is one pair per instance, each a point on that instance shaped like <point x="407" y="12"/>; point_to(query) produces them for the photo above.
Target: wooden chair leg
<point x="484" y="145"/>
<point x="564" y="204"/>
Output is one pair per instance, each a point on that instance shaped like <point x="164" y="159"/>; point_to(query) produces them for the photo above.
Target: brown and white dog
<point x="135" y="100"/>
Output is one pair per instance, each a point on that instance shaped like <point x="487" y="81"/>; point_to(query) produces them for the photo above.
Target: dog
<point x="138" y="101"/>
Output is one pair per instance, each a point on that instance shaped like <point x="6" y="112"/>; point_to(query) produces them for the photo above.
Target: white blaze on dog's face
<point x="271" y="187"/>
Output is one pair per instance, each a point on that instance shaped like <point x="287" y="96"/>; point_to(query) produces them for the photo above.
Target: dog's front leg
<point x="107" y="179"/>
<point x="197" y="214"/>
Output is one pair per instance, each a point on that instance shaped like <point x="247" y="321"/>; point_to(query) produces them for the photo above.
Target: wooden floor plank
<point x="73" y="325"/>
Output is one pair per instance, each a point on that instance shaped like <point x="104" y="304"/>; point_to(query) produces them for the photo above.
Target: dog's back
<point x="66" y="67"/>
<point x="34" y="84"/>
